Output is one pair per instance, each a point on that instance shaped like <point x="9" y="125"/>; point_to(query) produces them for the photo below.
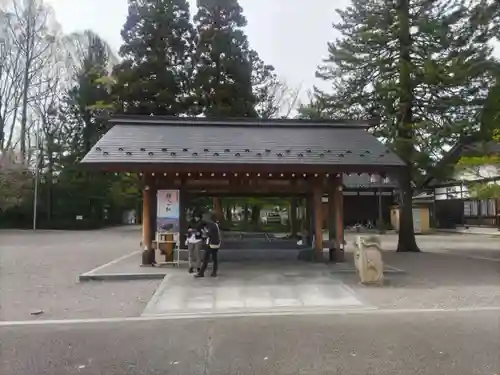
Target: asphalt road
<point x="451" y="343"/>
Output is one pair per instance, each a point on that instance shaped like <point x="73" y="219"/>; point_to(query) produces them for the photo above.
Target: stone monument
<point x="368" y="259"/>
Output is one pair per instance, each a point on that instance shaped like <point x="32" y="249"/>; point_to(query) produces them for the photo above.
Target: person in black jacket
<point x="195" y="242"/>
<point x="212" y="244"/>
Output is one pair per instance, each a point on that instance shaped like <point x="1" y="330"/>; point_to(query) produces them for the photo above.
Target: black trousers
<point x="209" y="252"/>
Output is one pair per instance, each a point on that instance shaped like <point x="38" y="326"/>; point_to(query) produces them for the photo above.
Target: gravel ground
<point x="454" y="244"/>
<point x="39" y="271"/>
<point x="442" y="276"/>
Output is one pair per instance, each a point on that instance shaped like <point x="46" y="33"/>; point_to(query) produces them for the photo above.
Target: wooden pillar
<point x="308" y="222"/>
<point x="148" y="254"/>
<point x="183" y="224"/>
<point x="332" y="219"/>
<point x="338" y="195"/>
<point x="153" y="208"/>
<point x="318" y="221"/>
<point x="331" y="223"/>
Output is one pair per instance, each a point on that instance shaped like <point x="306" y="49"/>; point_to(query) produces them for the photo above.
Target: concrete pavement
<point x="249" y="289"/>
<point x="441" y="317"/>
<point x="423" y="343"/>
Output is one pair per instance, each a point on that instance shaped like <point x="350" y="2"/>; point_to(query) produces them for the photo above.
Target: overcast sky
<point x="289" y="34"/>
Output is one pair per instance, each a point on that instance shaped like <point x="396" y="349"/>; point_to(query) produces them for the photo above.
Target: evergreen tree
<point x="155" y="74"/>
<point x="268" y="91"/>
<point x="424" y="66"/>
<point x="485" y="144"/>
<point x="224" y="61"/>
<point x="490" y="115"/>
<point x="93" y="195"/>
<point x="231" y="80"/>
<point x="89" y="94"/>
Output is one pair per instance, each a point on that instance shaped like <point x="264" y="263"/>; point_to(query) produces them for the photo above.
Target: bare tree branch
<point x="30" y="36"/>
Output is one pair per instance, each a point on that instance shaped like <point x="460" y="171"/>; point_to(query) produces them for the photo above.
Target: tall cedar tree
<point x="156" y="72"/>
<point x="422" y="65"/>
<point x="231" y="79"/>
<point x="224" y="61"/>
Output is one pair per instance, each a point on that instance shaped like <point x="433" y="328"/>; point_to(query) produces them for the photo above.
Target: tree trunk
<point x="24" y="114"/>
<point x="406" y="238"/>
<point x="2" y="121"/>
<point x="28" y="55"/>
<point x="404" y="141"/>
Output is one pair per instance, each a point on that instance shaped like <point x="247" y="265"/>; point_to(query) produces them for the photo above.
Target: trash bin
<point x="335" y="253"/>
<point x="338" y="255"/>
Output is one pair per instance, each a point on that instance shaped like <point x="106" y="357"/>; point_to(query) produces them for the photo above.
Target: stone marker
<point x="368" y="259"/>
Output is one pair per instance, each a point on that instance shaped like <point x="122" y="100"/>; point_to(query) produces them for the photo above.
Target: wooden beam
<point x="242" y="168"/>
<point x="242" y="194"/>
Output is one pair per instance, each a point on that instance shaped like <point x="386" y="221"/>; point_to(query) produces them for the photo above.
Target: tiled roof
<point x="200" y="141"/>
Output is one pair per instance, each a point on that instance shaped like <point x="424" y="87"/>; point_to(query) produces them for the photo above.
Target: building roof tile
<point x="134" y="140"/>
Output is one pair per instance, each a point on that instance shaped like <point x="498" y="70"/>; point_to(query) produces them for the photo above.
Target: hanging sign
<point x="168" y="211"/>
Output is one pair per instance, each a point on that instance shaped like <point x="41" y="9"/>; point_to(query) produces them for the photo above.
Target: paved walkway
<point x="253" y="289"/>
<point x="406" y="343"/>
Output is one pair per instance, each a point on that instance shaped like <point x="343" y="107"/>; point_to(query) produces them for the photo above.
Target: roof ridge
<point x="237" y="122"/>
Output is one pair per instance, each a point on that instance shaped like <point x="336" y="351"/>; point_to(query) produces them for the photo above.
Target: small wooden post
<point x="318" y="221"/>
<point x="148" y="255"/>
